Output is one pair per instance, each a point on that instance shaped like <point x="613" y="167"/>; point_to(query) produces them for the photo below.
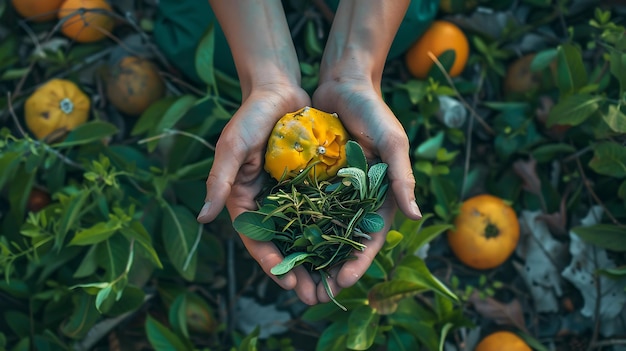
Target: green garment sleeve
<point x="180" y="24"/>
<point x="178" y="28"/>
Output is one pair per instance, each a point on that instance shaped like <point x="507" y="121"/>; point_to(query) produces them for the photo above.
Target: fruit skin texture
<point x="89" y="26"/>
<point x="133" y="84"/>
<point x="303" y="137"/>
<point x="486" y="232"/>
<point x="439" y="37"/>
<point x="57" y="105"/>
<point x="502" y="340"/>
<point x="37" y="199"/>
<point x="37" y="10"/>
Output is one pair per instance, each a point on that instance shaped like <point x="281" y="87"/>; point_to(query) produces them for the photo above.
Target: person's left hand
<point x="374" y="126"/>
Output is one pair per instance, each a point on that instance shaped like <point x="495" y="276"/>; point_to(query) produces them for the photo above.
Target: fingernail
<point x="204" y="211"/>
<point x="416" y="209"/>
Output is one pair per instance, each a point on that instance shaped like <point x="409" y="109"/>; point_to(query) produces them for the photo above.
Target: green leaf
<point x="573" y="109"/>
<point x="571" y="72"/>
<point x="334" y="337"/>
<point x="446" y="59"/>
<point x="362" y="328"/>
<point x="615" y="118"/>
<point x="136" y="231"/>
<point x="416" y="326"/>
<point x="413" y="269"/>
<point x="313" y="234"/>
<point x="250" y="342"/>
<point x="444" y="333"/>
<point x="180" y="231"/>
<point x="426" y="235"/>
<point x="98" y="232"/>
<point x="102" y="295"/>
<point x="543" y="59"/>
<point x="82" y="318"/>
<point x="549" y="152"/>
<point x="392" y="240"/>
<point x="416" y="89"/>
<point x="618" y="67"/>
<point x="173" y="114"/>
<point x="87" y="133"/>
<point x="606" y="236"/>
<point x="70" y="216"/>
<point x="113" y="256"/>
<point x="401" y="340"/>
<point x="355" y="155"/>
<point x="178" y="315"/>
<point x="312" y="43"/>
<point x="163" y="339"/>
<point x="255" y="225"/>
<point x="609" y="158"/>
<point x="204" y="56"/>
<point x="152" y="115"/>
<point x="9" y="161"/>
<point x="384" y="297"/>
<point x="290" y="261"/>
<point x="372" y="222"/>
<point x="428" y="149"/>
<point x="376" y="175"/>
<point x="356" y="177"/>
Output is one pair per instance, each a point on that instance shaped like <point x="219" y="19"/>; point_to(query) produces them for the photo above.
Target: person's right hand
<point x="237" y="175"/>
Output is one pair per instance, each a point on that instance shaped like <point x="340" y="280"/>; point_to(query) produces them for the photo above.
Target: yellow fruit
<point x="486" y="232"/>
<point x="58" y="105"/>
<point x="502" y="340"/>
<point x="133" y="85"/>
<point x="438" y="38"/>
<point x="86" y="21"/>
<point x="302" y="138"/>
<point x="37" y="10"/>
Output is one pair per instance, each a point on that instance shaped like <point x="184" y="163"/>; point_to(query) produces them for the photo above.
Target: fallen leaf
<point x="609" y="297"/>
<point x="251" y="314"/>
<point x="544" y="259"/>
<point x="527" y="171"/>
<point x="509" y="314"/>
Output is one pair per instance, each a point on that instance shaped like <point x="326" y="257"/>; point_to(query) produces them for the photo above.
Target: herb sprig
<point x="319" y="223"/>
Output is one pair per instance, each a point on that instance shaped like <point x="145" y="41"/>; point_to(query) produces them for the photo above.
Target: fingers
<point x="401" y="178"/>
<point x="353" y="270"/>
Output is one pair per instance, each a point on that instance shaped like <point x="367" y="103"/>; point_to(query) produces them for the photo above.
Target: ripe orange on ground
<point x="86" y="21"/>
<point x="133" y="84"/>
<point x="302" y="138"/>
<point x="486" y="232"/>
<point x="37" y="10"/>
<point x="502" y="340"/>
<point x="438" y="38"/>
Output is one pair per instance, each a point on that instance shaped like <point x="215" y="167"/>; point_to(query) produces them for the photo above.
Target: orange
<point x="438" y="38"/>
<point x="502" y="340"/>
<point x="86" y="21"/>
<point x="133" y="84"/>
<point x="486" y="232"/>
<point x="37" y="10"/>
<point x="37" y="199"/>
<point x="302" y="138"/>
<point x="56" y="106"/>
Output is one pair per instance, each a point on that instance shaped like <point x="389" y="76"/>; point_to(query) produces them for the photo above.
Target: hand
<point x="372" y="124"/>
<point x="237" y="175"/>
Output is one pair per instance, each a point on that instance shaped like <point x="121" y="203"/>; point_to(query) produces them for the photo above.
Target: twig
<point x="458" y="94"/>
<point x="470" y="127"/>
<point x="14" y="116"/>
<point x="593" y="194"/>
<point x="168" y="132"/>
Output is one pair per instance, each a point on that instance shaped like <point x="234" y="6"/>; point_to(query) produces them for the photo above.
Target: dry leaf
<point x="510" y="314"/>
<point x="544" y="259"/>
<point x="586" y="260"/>
<point x="528" y="172"/>
<point x="251" y="314"/>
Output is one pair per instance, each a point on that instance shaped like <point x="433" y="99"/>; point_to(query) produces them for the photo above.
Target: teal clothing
<point x="180" y="25"/>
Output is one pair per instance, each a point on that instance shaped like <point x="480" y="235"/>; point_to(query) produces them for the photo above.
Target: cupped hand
<point x="237" y="175"/>
<point x="373" y="125"/>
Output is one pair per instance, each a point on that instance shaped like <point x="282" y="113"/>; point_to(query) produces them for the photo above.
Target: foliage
<point x="118" y="257"/>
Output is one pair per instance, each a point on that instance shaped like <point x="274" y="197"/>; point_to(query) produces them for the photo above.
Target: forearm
<point x="260" y="41"/>
<point x="360" y="38"/>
